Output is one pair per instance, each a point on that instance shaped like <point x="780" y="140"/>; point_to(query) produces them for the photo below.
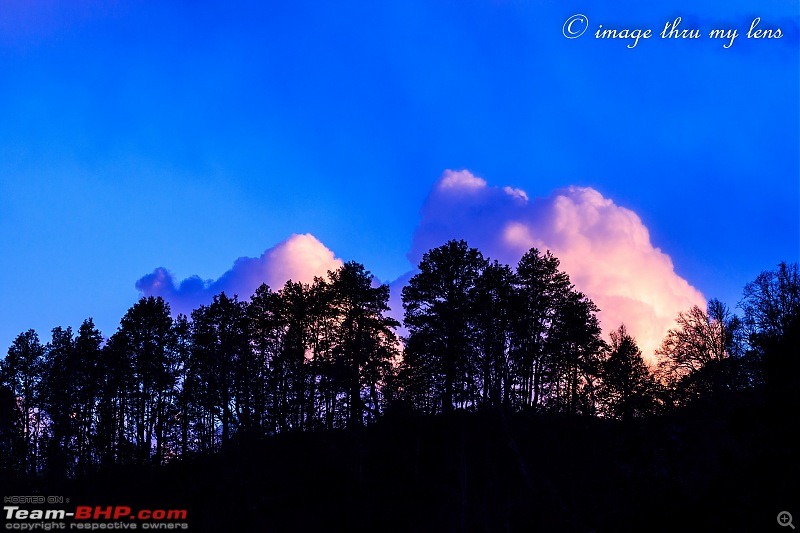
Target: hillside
<point x="707" y="467"/>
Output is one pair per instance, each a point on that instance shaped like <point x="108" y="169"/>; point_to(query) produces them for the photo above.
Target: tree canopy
<point x="325" y="355"/>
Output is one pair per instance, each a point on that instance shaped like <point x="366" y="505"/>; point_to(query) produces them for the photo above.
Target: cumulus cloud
<point x="299" y="258"/>
<point x="605" y="248"/>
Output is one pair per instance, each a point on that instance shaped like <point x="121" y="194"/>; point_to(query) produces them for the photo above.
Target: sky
<point x="183" y="148"/>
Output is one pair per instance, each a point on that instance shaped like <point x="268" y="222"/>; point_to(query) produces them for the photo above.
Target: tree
<point x="11" y="437"/>
<point x="698" y="357"/>
<point x="494" y="300"/>
<point x="20" y="373"/>
<point x="628" y="387"/>
<point x="572" y="355"/>
<point x="110" y="438"/>
<point x="771" y="306"/>
<point x="185" y="409"/>
<point x="296" y="367"/>
<point x="440" y="318"/>
<point x="70" y="392"/>
<point x="88" y="354"/>
<point x="772" y="302"/>
<point x="266" y="321"/>
<point x="145" y="349"/>
<point x="364" y="342"/>
<point x="220" y="358"/>
<point x="58" y="400"/>
<point x="540" y="290"/>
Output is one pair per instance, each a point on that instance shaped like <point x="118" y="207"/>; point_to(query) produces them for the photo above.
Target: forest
<point x="503" y="371"/>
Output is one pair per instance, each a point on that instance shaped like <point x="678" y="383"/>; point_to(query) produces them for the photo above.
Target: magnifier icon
<point x="785" y="519"/>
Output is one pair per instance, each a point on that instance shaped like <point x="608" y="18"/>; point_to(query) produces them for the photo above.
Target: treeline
<point x="325" y="355"/>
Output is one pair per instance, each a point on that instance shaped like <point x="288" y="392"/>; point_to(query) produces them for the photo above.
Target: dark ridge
<point x="708" y="467"/>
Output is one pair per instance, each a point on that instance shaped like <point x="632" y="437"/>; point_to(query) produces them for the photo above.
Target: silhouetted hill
<point x="726" y="467"/>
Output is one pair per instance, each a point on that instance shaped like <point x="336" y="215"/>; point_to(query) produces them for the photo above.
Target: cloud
<point x="299" y="258"/>
<point x="605" y="248"/>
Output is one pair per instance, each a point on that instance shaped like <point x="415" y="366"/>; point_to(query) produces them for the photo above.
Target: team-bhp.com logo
<point x="87" y="517"/>
<point x="84" y="512"/>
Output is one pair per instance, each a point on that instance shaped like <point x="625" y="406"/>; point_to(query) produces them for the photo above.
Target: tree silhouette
<point x="70" y="394"/>
<point x="771" y="306"/>
<point x="699" y="358"/>
<point x="494" y="301"/>
<point x="440" y="317"/>
<point x="267" y="328"/>
<point x="364" y="342"/>
<point x="180" y="434"/>
<point x="88" y="354"/>
<point x="324" y="356"/>
<point x="772" y="302"/>
<point x="628" y="387"/>
<point x="220" y="356"/>
<point x="21" y="373"/>
<point x="145" y="344"/>
<point x="574" y="347"/>
<point x="540" y="290"/>
<point x="59" y="400"/>
<point x="12" y="444"/>
<point x="297" y="373"/>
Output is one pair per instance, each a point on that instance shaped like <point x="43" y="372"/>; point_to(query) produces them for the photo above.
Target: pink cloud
<point x="299" y="258"/>
<point x="605" y="248"/>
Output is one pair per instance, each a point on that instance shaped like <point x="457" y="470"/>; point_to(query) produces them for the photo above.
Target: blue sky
<point x="187" y="135"/>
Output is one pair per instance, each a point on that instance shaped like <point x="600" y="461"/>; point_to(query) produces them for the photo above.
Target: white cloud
<point x="605" y="248"/>
<point x="460" y="181"/>
<point x="299" y="258"/>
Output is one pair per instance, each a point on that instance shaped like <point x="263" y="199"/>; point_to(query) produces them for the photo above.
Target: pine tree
<point x="628" y="387"/>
